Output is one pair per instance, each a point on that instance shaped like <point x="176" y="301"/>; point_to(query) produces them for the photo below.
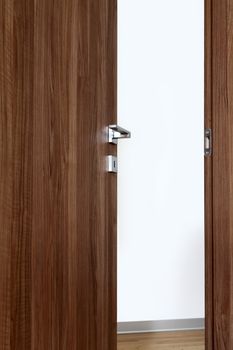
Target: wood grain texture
<point x="6" y="168"/>
<point x="192" y="340"/>
<point x="222" y="122"/>
<point x="16" y="174"/>
<point x="57" y="242"/>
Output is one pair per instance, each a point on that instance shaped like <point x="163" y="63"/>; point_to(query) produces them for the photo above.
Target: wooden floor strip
<point x="187" y="340"/>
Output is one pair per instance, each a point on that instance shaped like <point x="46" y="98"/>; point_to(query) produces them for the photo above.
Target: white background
<point x="161" y="175"/>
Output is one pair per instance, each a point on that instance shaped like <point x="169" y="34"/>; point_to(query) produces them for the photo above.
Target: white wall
<point x="160" y="181"/>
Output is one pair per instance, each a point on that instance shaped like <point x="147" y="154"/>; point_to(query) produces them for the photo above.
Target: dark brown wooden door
<point x="57" y="203"/>
<point x="219" y="175"/>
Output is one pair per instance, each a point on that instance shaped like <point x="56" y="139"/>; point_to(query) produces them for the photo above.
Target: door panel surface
<point x="57" y="244"/>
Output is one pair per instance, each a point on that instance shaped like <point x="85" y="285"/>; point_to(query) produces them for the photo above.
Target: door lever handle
<point x="116" y="132"/>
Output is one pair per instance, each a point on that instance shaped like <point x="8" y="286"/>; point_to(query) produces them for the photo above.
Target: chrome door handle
<point x="116" y="132"/>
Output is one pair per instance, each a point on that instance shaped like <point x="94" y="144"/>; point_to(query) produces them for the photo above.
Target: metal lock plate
<point x="208" y="142"/>
<point x="112" y="166"/>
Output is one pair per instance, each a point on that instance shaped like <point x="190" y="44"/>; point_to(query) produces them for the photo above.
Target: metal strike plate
<point x="208" y="143"/>
<point x="112" y="165"/>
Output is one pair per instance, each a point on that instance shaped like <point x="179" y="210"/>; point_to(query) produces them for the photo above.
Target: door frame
<point x="219" y="174"/>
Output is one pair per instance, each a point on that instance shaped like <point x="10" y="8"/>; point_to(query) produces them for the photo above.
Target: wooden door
<point x="57" y="217"/>
<point x="219" y="175"/>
